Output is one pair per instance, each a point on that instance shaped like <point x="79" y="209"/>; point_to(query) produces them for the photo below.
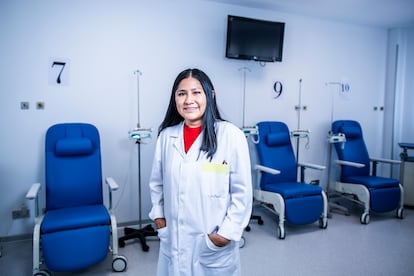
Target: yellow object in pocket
<point x="215" y="168"/>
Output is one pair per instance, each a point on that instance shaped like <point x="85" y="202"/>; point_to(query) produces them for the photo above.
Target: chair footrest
<point x="76" y="249"/>
<point x="304" y="210"/>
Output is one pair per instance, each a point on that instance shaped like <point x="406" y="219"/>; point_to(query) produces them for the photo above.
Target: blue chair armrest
<point x="348" y="163"/>
<point x="33" y="191"/>
<point x="312" y="166"/>
<point x="385" y="160"/>
<point x="261" y="168"/>
<point x="304" y="166"/>
<point x="111" y="183"/>
<point x="112" y="186"/>
<point x="375" y="160"/>
<point x="33" y="194"/>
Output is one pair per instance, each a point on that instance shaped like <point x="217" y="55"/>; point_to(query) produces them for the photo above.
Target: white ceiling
<point x="377" y="13"/>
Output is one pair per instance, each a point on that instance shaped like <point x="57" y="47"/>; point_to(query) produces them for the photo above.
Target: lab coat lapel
<point x="178" y="137"/>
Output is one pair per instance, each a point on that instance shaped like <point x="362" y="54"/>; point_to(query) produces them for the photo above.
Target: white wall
<point x="106" y="41"/>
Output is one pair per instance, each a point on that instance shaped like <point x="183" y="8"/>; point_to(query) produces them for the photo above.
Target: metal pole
<point x="138" y="73"/>
<point x="395" y="93"/>
<point x="244" y="69"/>
<point x="138" y="142"/>
<point x="299" y="110"/>
<point x="300" y="101"/>
<point x="139" y="183"/>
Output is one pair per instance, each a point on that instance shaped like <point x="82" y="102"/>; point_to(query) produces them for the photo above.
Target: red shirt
<point x="190" y="134"/>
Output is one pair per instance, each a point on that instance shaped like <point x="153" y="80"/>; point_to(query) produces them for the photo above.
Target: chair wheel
<point x="365" y="218"/>
<point x="42" y="273"/>
<point x="260" y="221"/>
<point x="119" y="263"/>
<point x="323" y="223"/>
<point x="247" y="228"/>
<point x="281" y="232"/>
<point x="145" y="247"/>
<point x="400" y="213"/>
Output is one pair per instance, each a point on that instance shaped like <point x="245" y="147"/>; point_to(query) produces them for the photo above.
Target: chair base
<point x="254" y="217"/>
<point x="335" y="206"/>
<point x="360" y="194"/>
<point x="141" y="234"/>
<point x="275" y="203"/>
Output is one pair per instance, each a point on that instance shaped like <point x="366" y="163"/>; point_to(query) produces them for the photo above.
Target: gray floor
<point x="383" y="247"/>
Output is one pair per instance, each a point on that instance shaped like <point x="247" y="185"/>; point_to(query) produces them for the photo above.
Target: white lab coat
<point x="198" y="196"/>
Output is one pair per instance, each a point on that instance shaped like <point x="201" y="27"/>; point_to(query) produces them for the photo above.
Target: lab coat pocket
<point x="162" y="233"/>
<point x="164" y="266"/>
<point x="212" y="256"/>
<point x="164" y="240"/>
<point x="217" y="179"/>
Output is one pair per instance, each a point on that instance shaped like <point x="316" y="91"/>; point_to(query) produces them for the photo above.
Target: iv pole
<point x="299" y="108"/>
<point x="244" y="69"/>
<point x="300" y="133"/>
<point x="139" y="134"/>
<point x="248" y="131"/>
<point x="332" y="139"/>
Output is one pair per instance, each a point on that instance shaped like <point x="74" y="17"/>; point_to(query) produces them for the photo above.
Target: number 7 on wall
<point x="58" y="72"/>
<point x="58" y="63"/>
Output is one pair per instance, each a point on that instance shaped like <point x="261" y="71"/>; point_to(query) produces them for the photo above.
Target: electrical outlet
<point x="24" y="212"/>
<point x="40" y="105"/>
<point x="315" y="182"/>
<point x="24" y="105"/>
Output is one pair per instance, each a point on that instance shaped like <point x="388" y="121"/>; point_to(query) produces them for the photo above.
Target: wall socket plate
<point x="24" y="212"/>
<point x="40" y="105"/>
<point x="24" y="105"/>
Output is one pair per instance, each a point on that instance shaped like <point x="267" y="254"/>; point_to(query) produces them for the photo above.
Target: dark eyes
<point x="184" y="93"/>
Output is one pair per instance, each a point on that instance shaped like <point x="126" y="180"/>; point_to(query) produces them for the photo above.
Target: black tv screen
<point x="254" y="39"/>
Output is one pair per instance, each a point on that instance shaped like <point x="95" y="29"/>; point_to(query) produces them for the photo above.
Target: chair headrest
<point x="74" y="147"/>
<point x="351" y="131"/>
<point x="277" y="139"/>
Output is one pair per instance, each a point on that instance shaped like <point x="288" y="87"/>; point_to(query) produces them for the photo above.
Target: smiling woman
<point x="200" y="183"/>
<point x="190" y="101"/>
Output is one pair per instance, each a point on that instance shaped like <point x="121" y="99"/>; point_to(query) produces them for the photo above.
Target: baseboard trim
<point x="13" y="238"/>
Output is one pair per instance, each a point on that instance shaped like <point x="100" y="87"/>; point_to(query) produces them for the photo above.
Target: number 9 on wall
<point x="277" y="88"/>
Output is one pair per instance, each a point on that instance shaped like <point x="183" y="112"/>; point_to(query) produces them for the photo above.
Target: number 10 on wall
<point x="59" y="69"/>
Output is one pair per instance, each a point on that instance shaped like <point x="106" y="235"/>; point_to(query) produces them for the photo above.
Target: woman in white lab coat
<point x="200" y="183"/>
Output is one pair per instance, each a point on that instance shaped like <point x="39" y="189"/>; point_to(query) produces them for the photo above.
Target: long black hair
<point x="211" y="114"/>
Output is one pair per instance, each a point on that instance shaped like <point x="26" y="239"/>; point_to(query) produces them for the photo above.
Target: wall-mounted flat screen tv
<point x="254" y="39"/>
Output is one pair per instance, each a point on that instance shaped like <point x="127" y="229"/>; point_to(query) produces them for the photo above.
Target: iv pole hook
<point x="299" y="107"/>
<point x="138" y="73"/>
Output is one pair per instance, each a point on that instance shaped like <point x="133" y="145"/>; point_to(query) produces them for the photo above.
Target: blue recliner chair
<point x="74" y="232"/>
<point x="280" y="191"/>
<point x="377" y="194"/>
